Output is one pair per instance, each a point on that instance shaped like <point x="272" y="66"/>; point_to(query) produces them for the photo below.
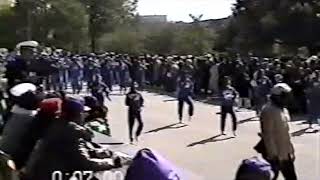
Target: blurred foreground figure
<point x="65" y="148"/>
<point x="279" y="150"/>
<point x="16" y="138"/>
<point x="97" y="116"/>
<point x="7" y="168"/>
<point x="134" y="101"/>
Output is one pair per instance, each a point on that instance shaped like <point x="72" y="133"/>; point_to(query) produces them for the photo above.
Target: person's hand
<point x="117" y="162"/>
<point x="292" y="156"/>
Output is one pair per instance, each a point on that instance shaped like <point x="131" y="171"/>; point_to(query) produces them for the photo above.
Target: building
<point x="153" y="19"/>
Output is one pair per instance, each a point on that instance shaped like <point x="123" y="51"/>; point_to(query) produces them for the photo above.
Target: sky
<point x="179" y="10"/>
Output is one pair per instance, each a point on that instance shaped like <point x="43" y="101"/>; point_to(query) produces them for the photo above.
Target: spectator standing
<point x="14" y="139"/>
<point x="275" y="132"/>
<point x="313" y="99"/>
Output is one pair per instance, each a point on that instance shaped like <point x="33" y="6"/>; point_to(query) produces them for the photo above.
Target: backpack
<point x="255" y="168"/>
<point x="149" y="165"/>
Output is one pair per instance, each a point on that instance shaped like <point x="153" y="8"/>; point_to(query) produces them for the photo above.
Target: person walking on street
<point x="313" y="100"/>
<point x="229" y="95"/>
<point x="134" y="101"/>
<point x="185" y="93"/>
<point x="274" y="119"/>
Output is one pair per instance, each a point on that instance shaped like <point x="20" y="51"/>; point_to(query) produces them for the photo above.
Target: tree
<point x="258" y="23"/>
<point x="27" y="12"/>
<point x="160" y="42"/>
<point x="7" y="26"/>
<point x="104" y="15"/>
<point x="65" y="24"/>
<point x="122" y="41"/>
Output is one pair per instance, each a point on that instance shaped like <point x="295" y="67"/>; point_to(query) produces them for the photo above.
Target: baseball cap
<point x="74" y="104"/>
<point x="280" y="88"/>
<point x="51" y="106"/>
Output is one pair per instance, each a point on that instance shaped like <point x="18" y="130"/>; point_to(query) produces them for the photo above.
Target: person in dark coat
<point x="229" y="95"/>
<point x="107" y="74"/>
<point x="65" y="146"/>
<point x="185" y="92"/>
<point x="17" y="70"/>
<point x="15" y="139"/>
<point x="134" y="101"/>
<point x="313" y="99"/>
<point x="244" y="88"/>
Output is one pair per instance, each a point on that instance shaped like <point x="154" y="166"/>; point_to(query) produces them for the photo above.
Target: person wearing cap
<point x="65" y="146"/>
<point x="313" y="100"/>
<point x="134" y="101"/>
<point x="275" y="133"/>
<point x="17" y="70"/>
<point x="15" y="133"/>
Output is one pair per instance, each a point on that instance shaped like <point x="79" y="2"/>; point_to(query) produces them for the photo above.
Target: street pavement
<point x="196" y="146"/>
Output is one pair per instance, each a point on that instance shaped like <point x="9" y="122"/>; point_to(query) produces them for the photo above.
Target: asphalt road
<point x="196" y="145"/>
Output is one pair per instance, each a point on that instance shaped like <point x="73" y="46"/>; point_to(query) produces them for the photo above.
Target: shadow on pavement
<point x="169" y="100"/>
<point x="304" y="131"/>
<point x="252" y="119"/>
<point x="210" y="140"/>
<point x="171" y="126"/>
<point x="117" y="94"/>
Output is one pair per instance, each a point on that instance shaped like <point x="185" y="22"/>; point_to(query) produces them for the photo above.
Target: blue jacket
<point x="185" y="89"/>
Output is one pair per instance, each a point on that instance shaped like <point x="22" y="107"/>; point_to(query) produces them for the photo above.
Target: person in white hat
<point x="274" y="119"/>
<point x="14" y="139"/>
<point x="17" y="70"/>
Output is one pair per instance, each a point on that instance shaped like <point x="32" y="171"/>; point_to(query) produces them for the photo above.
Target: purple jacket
<point x="149" y="165"/>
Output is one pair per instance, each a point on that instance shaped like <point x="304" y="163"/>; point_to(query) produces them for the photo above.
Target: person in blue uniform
<point x="123" y="76"/>
<point x="134" y="101"/>
<point x="99" y="89"/>
<point x="185" y="92"/>
<point x="107" y="73"/>
<point x="75" y="77"/>
<point x="229" y="95"/>
<point x="17" y="70"/>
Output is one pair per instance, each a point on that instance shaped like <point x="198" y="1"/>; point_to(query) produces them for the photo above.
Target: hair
<point x="29" y="100"/>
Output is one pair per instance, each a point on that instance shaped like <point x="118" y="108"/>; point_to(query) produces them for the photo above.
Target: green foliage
<point x="63" y="23"/>
<point x="163" y="40"/>
<point x="257" y="24"/>
<point x="104" y="15"/>
<point x="7" y="27"/>
<point x="122" y="41"/>
<point x="160" y="42"/>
